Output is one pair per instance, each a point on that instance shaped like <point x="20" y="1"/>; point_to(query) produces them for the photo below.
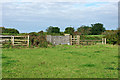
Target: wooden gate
<point x="76" y="40"/>
<point x="15" y="40"/>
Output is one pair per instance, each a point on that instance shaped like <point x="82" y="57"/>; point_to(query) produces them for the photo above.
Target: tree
<point x="14" y="31"/>
<point x="69" y="30"/>
<point x="52" y="29"/>
<point x="97" y="28"/>
<point x="40" y="32"/>
<point x="49" y="29"/>
<point x="9" y="30"/>
<point x="84" y="30"/>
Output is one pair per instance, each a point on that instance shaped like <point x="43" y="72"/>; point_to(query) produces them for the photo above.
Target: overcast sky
<point x="36" y="16"/>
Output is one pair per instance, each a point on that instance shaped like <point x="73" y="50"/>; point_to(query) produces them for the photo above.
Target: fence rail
<point x="15" y="40"/>
<point x="90" y="40"/>
<point x="76" y="40"/>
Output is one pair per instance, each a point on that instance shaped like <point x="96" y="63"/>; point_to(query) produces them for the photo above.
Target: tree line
<point x="95" y="29"/>
<point x="113" y="36"/>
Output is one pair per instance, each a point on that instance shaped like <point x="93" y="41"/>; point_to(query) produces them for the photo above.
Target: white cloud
<point x="60" y="13"/>
<point x="60" y="1"/>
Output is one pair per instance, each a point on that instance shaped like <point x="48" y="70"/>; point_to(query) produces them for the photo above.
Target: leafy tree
<point x="85" y="30"/>
<point x="49" y="29"/>
<point x="40" y="32"/>
<point x="9" y="30"/>
<point x="97" y="28"/>
<point x="69" y="30"/>
<point x="33" y="33"/>
<point x="52" y="29"/>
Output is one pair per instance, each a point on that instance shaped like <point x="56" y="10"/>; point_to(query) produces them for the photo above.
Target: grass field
<point x="63" y="61"/>
<point x="95" y="36"/>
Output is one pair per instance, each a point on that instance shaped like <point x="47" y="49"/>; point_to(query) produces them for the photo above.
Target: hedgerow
<point x="38" y="40"/>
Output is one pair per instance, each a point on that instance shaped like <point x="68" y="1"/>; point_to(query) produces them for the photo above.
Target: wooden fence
<point x="15" y="40"/>
<point x="76" y="40"/>
<point x="24" y="40"/>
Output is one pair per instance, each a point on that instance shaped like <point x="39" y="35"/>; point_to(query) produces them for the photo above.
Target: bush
<point x="7" y="44"/>
<point x="112" y="37"/>
<point x="38" y="39"/>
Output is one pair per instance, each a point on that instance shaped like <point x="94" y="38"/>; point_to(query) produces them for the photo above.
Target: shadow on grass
<point x="97" y="51"/>
<point x="76" y="53"/>
<point x="111" y="68"/>
<point x="113" y="62"/>
<point x="9" y="62"/>
<point x="4" y="57"/>
<point x="117" y="57"/>
<point x="89" y="65"/>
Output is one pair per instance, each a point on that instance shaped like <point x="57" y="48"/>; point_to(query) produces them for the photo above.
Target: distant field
<point x="63" y="61"/>
<point x="94" y="35"/>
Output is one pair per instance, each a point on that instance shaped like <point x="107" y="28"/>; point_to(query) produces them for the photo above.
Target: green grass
<point x="63" y="61"/>
<point x="95" y="36"/>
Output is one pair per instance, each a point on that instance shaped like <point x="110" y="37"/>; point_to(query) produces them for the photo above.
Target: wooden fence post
<point x="74" y="40"/>
<point x="12" y="40"/>
<point x="78" y="39"/>
<point x="70" y="39"/>
<point x="102" y="40"/>
<point x="105" y="40"/>
<point x="28" y="41"/>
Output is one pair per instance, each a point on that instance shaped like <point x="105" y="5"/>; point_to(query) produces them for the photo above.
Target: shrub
<point x="112" y="37"/>
<point x="38" y="39"/>
<point x="7" y="44"/>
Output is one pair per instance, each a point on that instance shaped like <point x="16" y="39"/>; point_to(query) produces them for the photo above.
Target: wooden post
<point x="25" y="39"/>
<point x="102" y="40"/>
<point x="78" y="39"/>
<point x="70" y="39"/>
<point x="74" y="41"/>
<point x="86" y="42"/>
<point x="28" y="42"/>
<point x="13" y="40"/>
<point x="105" y="40"/>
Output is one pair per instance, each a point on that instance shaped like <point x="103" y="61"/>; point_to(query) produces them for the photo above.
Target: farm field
<point x="62" y="61"/>
<point x="95" y="36"/>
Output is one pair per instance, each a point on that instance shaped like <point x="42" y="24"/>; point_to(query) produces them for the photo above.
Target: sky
<point x="36" y="16"/>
